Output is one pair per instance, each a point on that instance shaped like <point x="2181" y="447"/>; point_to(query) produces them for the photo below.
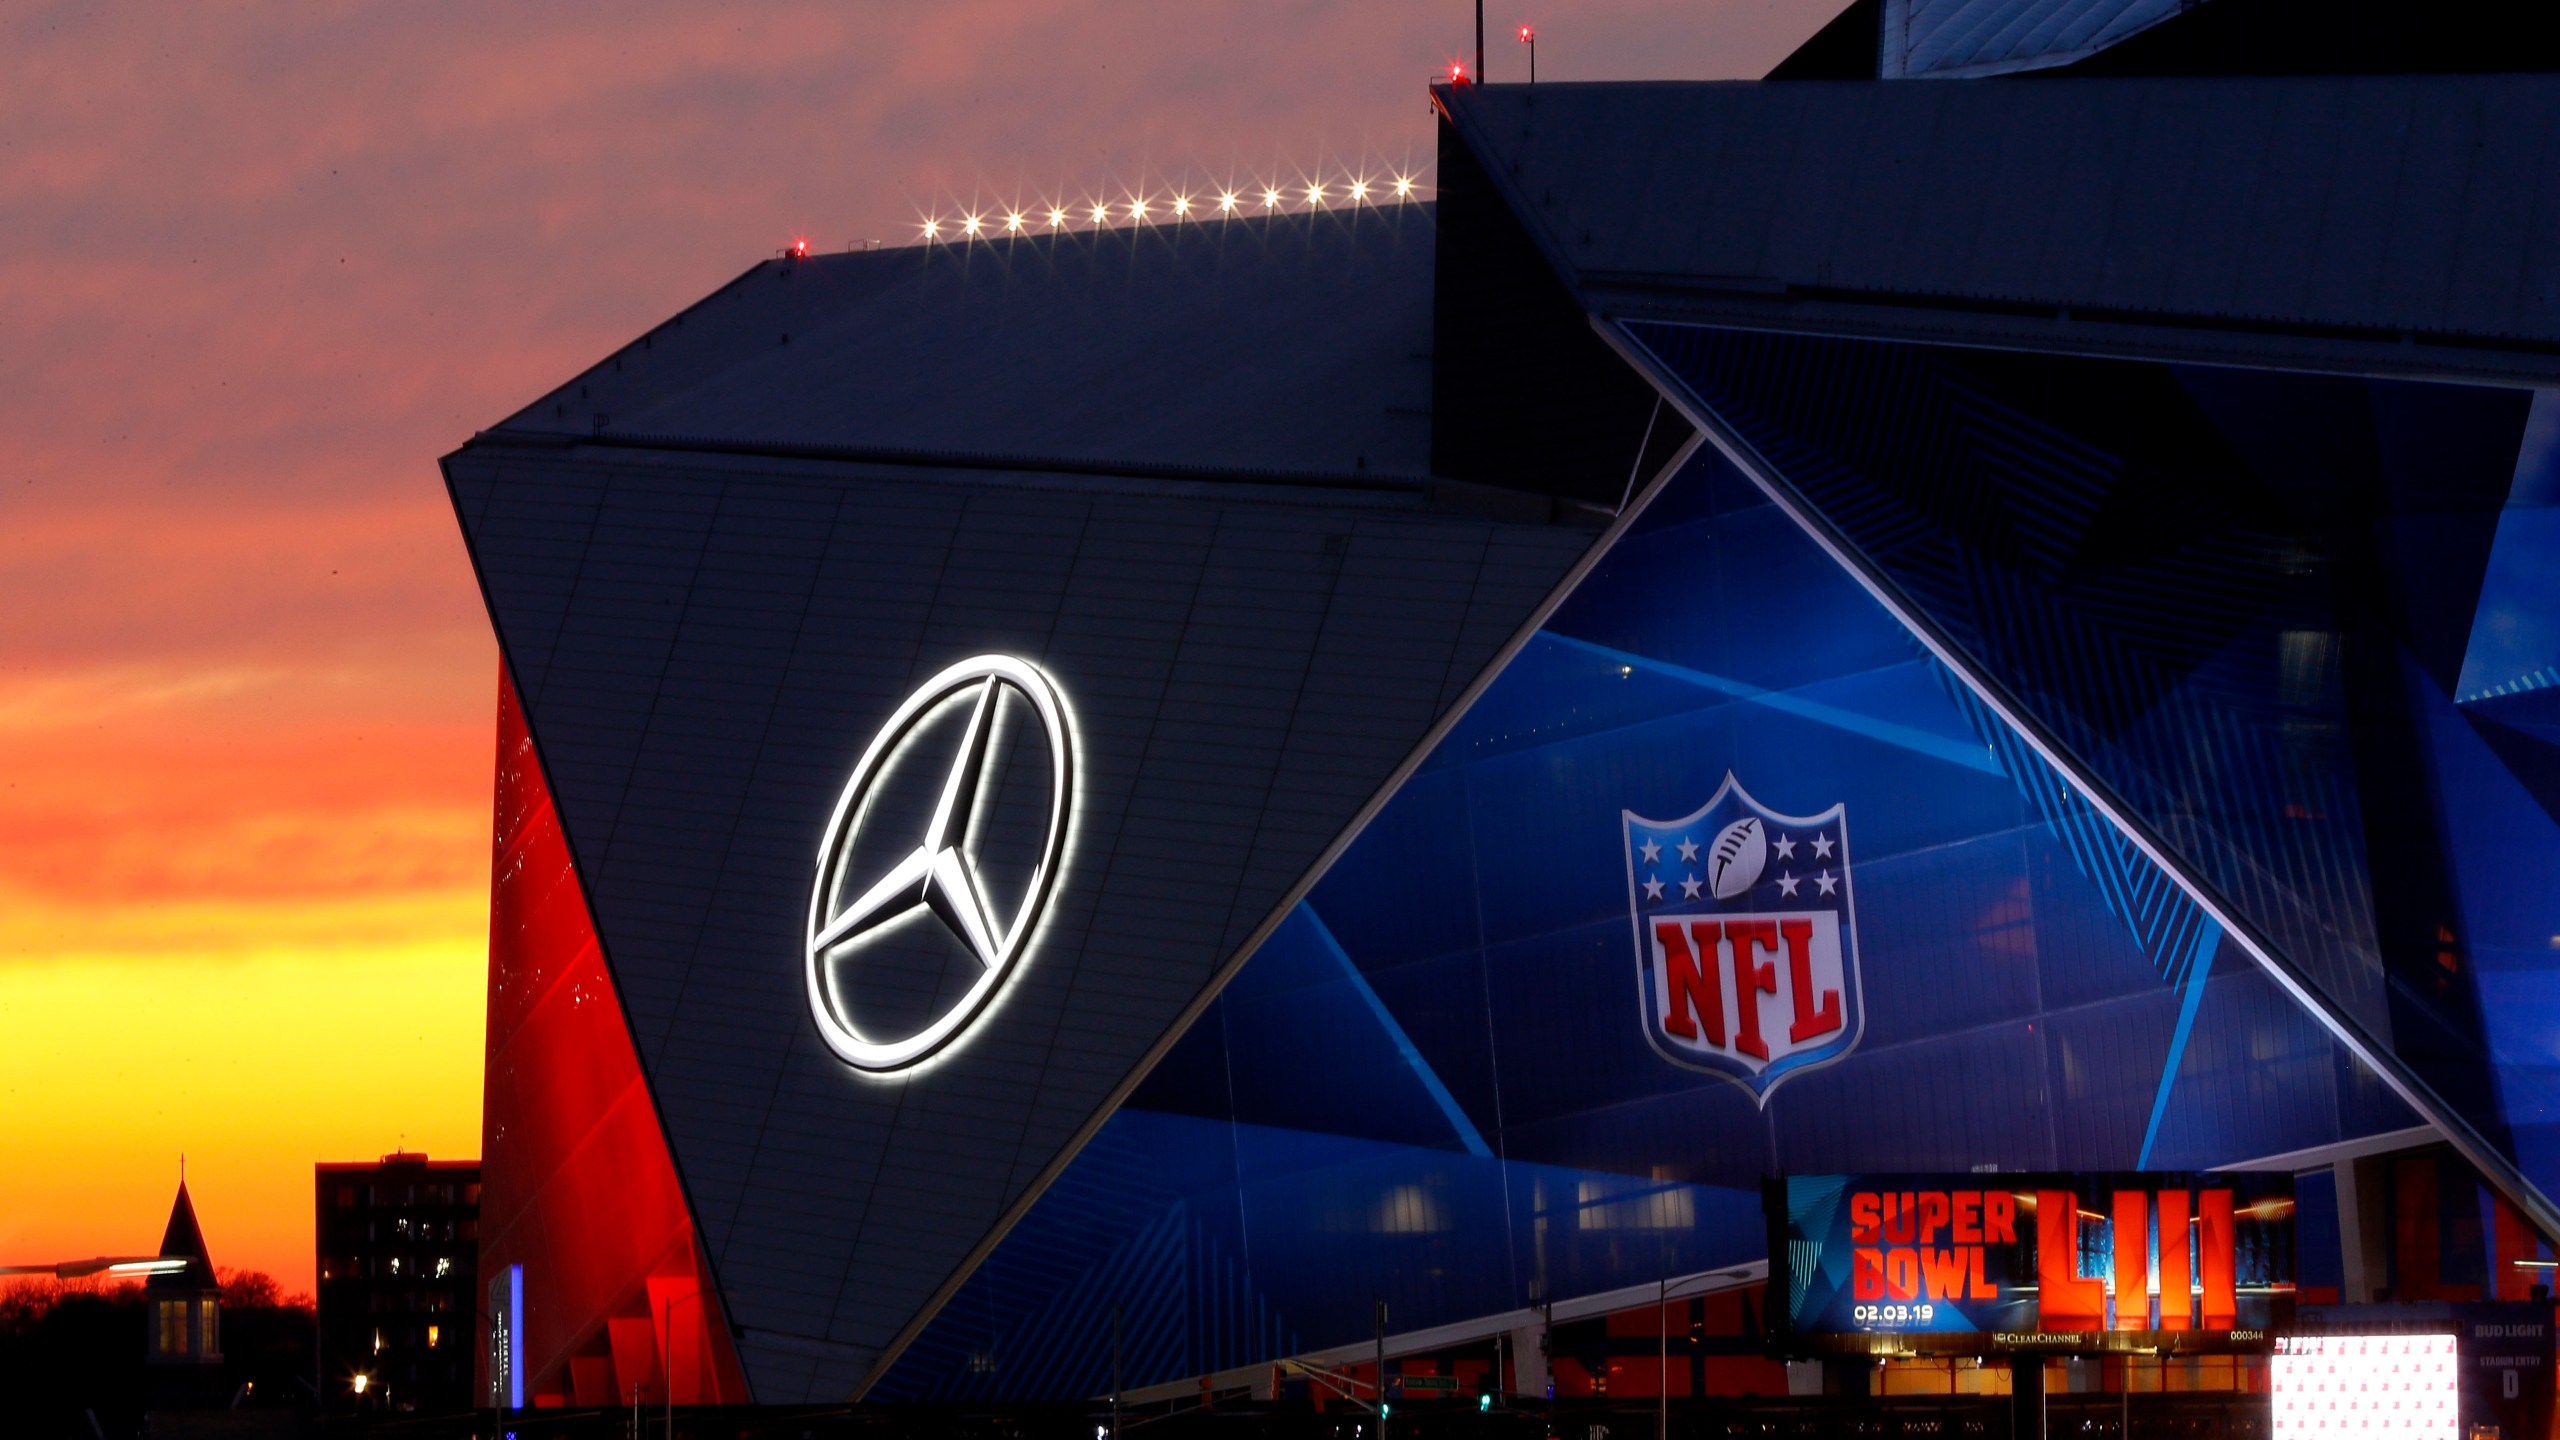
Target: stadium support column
<point x="2364" y="1222"/>
<point x="1528" y="1362"/>
<point x="2026" y="1397"/>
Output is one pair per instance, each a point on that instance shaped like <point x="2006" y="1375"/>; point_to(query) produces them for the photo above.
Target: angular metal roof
<point x="1294" y="343"/>
<point x="2392" y="223"/>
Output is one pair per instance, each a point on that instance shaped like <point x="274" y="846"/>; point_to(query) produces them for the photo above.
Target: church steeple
<point x="185" y="1305"/>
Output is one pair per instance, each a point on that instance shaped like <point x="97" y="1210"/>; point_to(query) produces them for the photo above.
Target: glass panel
<point x="1452" y="1079"/>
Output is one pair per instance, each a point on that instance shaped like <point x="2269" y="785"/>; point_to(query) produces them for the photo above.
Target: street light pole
<point x="1662" y="1301"/>
<point x="666" y="1351"/>
<point x="1479" y="42"/>
<point x="1382" y="1300"/>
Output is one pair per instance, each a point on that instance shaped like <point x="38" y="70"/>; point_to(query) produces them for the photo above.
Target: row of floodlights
<point x="1180" y="207"/>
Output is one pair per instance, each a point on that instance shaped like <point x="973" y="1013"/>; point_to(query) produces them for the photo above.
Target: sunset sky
<point x="259" y="267"/>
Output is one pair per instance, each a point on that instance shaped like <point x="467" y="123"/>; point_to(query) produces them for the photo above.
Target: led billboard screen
<point x="2372" y="1387"/>
<point x="1977" y="1263"/>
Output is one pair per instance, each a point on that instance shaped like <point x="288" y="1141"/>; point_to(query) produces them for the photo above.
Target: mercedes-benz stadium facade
<point x="1082" y="811"/>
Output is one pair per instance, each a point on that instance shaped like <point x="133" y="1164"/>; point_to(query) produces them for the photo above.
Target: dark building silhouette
<point x="398" y="1244"/>
<point x="185" y="1305"/>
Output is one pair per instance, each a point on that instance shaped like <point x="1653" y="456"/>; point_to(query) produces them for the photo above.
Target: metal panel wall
<point x="704" y="646"/>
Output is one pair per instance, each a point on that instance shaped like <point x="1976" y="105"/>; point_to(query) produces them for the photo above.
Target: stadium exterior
<point x="1119" y="798"/>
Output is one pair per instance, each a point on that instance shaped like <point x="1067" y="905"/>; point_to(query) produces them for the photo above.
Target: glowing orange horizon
<point x="232" y="933"/>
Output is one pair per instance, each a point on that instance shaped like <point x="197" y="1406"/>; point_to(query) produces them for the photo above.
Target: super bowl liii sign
<point x="2069" y="1263"/>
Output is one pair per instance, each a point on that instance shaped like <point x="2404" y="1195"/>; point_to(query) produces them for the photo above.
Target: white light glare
<point x="1359" y="190"/>
<point x="2366" y="1387"/>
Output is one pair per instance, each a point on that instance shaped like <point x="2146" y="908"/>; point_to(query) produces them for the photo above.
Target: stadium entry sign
<point x="2064" y="1263"/>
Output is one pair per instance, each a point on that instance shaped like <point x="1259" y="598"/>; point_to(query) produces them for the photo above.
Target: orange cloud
<point x="243" y="916"/>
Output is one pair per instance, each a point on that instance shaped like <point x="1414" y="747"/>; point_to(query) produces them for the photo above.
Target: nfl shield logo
<point x="1746" y="948"/>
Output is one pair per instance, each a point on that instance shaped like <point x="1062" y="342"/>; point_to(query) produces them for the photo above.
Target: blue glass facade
<point x="2283" y="616"/>
<point x="2299" y="624"/>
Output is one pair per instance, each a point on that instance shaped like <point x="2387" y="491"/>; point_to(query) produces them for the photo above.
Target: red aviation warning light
<point x="1457" y="72"/>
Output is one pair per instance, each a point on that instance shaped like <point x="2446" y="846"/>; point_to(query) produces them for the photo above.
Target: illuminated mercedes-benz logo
<point x="940" y="876"/>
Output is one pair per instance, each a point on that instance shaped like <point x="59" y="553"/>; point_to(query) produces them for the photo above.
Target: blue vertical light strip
<point x="2199" y="968"/>
<point x="1421" y="1068"/>
<point x="515" y="1337"/>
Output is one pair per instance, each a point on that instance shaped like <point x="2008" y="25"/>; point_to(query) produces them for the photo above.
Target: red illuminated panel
<point x="2177" y="1275"/>
<point x="2067" y="1301"/>
<point x="2133" y="1260"/>
<point x="577" y="1185"/>
<point x="2216" y="1260"/>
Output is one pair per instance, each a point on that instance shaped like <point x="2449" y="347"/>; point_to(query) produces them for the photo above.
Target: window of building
<point x="346" y="1197"/>
<point x="435" y="1336"/>
<point x="444" y="1266"/>
<point x="208" y="1326"/>
<point x="173" y="1327"/>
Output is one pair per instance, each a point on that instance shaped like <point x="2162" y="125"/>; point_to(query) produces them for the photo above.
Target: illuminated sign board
<point x="2370" y="1387"/>
<point x="2502" y="1363"/>
<point x="1970" y="1264"/>
<point x="1746" y="944"/>
<point x="878" y="875"/>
